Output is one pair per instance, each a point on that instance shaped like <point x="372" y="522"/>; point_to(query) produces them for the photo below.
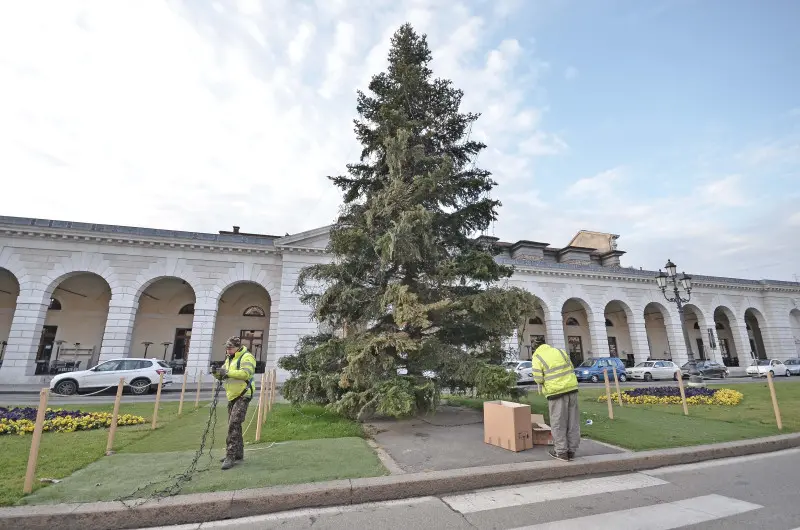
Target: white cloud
<point x="794" y="219"/>
<point x="570" y="73"/>
<point x="771" y="152"/>
<point x="601" y="184"/>
<point x="724" y="192"/>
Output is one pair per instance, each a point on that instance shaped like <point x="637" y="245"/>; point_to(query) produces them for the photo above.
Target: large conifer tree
<point x="410" y="290"/>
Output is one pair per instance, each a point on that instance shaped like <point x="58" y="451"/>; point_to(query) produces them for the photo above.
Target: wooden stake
<point x="112" y="429"/>
<point x="33" y="456"/>
<point x="260" y="414"/>
<point x="616" y="382"/>
<point x="608" y="394"/>
<point x="183" y="392"/>
<point x="774" y="401"/>
<point x="683" y="393"/>
<point x="199" y="379"/>
<point x="158" y="399"/>
<point x="274" y="388"/>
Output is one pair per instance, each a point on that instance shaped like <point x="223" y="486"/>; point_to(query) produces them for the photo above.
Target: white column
<point x="554" y="330"/>
<point x="119" y="327"/>
<point x="202" y="342"/>
<point x="778" y="336"/>
<point x="677" y="341"/>
<point x="598" y="332"/>
<point x="713" y="354"/>
<point x="24" y="336"/>
<point x="741" y="340"/>
<point x="638" y="333"/>
<point x="511" y="344"/>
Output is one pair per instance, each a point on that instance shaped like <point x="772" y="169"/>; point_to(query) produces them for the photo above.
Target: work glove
<point x="222" y="373"/>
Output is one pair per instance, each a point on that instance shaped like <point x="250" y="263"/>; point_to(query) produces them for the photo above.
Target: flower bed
<point x="670" y="395"/>
<point x="21" y="420"/>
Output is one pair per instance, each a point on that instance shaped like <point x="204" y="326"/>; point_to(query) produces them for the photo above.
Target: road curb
<point x="202" y="507"/>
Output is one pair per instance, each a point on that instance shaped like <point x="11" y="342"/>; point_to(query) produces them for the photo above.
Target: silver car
<point x="793" y="365"/>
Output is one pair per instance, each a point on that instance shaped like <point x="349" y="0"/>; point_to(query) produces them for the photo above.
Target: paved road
<point x="28" y="398"/>
<point x="743" y="493"/>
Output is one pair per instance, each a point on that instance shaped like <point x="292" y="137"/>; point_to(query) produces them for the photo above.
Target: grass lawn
<point x="61" y="454"/>
<point x="642" y="427"/>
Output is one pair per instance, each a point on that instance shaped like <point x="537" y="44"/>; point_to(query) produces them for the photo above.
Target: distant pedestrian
<point x="553" y="370"/>
<point x="237" y="375"/>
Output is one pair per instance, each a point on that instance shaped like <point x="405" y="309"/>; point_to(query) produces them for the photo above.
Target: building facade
<point x="76" y="294"/>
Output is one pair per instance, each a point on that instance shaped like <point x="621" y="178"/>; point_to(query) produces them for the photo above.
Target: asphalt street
<point x="30" y="398"/>
<point x="750" y="492"/>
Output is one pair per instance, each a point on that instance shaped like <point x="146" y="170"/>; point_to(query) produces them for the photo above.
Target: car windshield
<point x="761" y="362"/>
<point x="512" y="364"/>
<point x="588" y="363"/>
<point x="792" y="362"/>
<point x="645" y="364"/>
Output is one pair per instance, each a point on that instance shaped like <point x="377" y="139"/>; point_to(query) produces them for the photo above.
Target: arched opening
<point x="620" y="344"/>
<point x="575" y="313"/>
<point x="9" y="291"/>
<point x="753" y="320"/>
<point x="726" y="341"/>
<point x="73" y="328"/>
<point x="243" y="312"/>
<point x="655" y="325"/>
<point x="533" y="332"/>
<point x="163" y="325"/>
<point x="695" y="326"/>
<point x="794" y="324"/>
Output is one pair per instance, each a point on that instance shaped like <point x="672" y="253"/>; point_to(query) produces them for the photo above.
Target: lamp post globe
<point x="670" y="282"/>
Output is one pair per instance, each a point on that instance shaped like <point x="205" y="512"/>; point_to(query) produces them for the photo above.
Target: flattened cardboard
<point x="507" y="425"/>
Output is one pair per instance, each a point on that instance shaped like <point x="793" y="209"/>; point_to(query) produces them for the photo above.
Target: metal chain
<point x="54" y="393"/>
<point x="178" y="480"/>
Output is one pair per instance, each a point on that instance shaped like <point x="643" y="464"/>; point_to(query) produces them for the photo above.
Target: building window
<point x="254" y="311"/>
<point x="572" y="321"/>
<point x="188" y="309"/>
<point x="55" y="305"/>
<point x="609" y="324"/>
<point x="536" y="321"/>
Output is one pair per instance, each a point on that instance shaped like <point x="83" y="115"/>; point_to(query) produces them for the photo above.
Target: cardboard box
<point x="507" y="425"/>
<point x="542" y="435"/>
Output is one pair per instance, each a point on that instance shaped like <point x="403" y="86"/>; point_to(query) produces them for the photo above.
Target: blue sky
<point x="673" y="123"/>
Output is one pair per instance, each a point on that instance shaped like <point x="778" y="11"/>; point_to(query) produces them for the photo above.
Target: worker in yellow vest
<point x="237" y="375"/>
<point x="554" y="371"/>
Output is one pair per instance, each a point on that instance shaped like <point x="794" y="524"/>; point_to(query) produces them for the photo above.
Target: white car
<point x="650" y="370"/>
<point x="523" y="369"/>
<point x="760" y="367"/>
<point x="141" y="375"/>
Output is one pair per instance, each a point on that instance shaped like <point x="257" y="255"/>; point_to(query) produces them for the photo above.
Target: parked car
<point x="523" y="369"/>
<point x="707" y="369"/>
<point x="141" y="376"/>
<point x="760" y="368"/>
<point x="650" y="370"/>
<point x="793" y="365"/>
<point x="592" y="369"/>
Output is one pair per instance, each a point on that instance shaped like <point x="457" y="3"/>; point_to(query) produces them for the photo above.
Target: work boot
<point x="227" y="463"/>
<point x="571" y="455"/>
<point x="558" y="456"/>
<point x="238" y="457"/>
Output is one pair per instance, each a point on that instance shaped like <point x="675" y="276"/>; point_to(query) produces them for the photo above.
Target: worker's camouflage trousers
<point x="237" y="410"/>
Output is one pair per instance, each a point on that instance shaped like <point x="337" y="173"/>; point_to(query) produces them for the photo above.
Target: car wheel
<point x="772" y="373"/>
<point x="622" y="378"/>
<point x="140" y="387"/>
<point x="594" y="379"/>
<point x="724" y="375"/>
<point x="66" y="387"/>
<point x="788" y="373"/>
<point x="648" y="377"/>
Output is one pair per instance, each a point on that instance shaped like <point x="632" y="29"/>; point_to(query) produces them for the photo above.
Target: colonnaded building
<point x="75" y="294"/>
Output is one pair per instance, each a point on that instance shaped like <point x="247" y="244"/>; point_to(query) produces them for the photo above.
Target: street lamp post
<point x="686" y="282"/>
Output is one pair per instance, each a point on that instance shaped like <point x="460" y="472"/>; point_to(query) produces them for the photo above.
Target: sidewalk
<point x="201" y="507"/>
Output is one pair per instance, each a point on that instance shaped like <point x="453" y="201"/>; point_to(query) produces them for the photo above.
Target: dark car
<point x="707" y="369"/>
<point x="592" y="369"/>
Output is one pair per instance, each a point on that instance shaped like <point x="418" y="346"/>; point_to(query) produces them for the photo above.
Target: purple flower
<point x="667" y="391"/>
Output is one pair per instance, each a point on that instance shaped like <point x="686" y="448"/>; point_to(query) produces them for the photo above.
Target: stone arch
<point x="754" y="319"/>
<point x="620" y="341"/>
<point x="697" y="328"/>
<point x="578" y="338"/>
<point x="533" y="330"/>
<point x="75" y="333"/>
<point x="157" y="304"/>
<point x="658" y="323"/>
<point x="9" y="294"/>
<point x="10" y="262"/>
<point x="78" y="263"/>
<point x="255" y="331"/>
<point x="729" y="336"/>
<point x="167" y="268"/>
<point x="246" y="273"/>
<point x="794" y="326"/>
